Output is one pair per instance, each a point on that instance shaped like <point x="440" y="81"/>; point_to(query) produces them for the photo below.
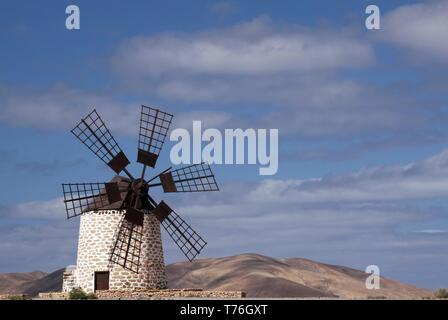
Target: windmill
<point x="119" y="240"/>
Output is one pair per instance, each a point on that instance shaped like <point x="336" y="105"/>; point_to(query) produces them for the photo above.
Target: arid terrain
<point x="258" y="276"/>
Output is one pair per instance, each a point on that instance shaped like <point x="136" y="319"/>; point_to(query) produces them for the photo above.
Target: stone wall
<point x="69" y="279"/>
<point x="97" y="235"/>
<point x="169" y="293"/>
<point x="54" y="295"/>
<point x="153" y="294"/>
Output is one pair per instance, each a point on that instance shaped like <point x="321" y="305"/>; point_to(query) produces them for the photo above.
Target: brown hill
<point x="51" y="282"/>
<point x="261" y="276"/>
<point x="257" y="275"/>
<point x="11" y="283"/>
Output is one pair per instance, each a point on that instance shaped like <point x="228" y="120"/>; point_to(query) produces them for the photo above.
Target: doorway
<point x="102" y="280"/>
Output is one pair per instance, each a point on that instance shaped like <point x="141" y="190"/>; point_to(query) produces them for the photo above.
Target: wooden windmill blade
<point x="192" y="178"/>
<point x="81" y="197"/>
<point x="94" y="134"/>
<point x="154" y="127"/>
<point x="188" y="240"/>
<point x="126" y="251"/>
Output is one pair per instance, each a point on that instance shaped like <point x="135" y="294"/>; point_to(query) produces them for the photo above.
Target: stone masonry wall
<point x="97" y="235"/>
<point x="170" y="294"/>
<point x="69" y="279"/>
<point x="153" y="294"/>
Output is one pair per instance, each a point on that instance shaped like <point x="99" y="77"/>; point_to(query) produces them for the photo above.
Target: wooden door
<point x="102" y="280"/>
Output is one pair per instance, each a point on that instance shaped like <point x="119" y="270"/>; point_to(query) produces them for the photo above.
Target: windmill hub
<point x="139" y="186"/>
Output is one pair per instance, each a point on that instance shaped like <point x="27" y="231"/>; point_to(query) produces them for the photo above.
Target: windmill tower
<point x="120" y="246"/>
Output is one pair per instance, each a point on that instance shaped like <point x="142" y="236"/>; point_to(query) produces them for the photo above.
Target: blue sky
<point x="361" y="114"/>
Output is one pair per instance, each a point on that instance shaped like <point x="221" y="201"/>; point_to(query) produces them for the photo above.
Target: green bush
<point x="19" y="297"/>
<point x="441" y="294"/>
<point x="79" y="294"/>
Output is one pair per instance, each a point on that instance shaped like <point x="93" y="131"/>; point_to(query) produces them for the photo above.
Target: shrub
<point x="79" y="294"/>
<point x="441" y="294"/>
<point x="19" y="297"/>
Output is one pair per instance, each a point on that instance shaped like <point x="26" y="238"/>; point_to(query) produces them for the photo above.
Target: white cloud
<point x="248" y="49"/>
<point x="275" y="72"/>
<point x="258" y="62"/>
<point x="419" y="28"/>
<point x="432" y="231"/>
<point x="424" y="179"/>
<point x="312" y="107"/>
<point x="278" y="72"/>
<point x="51" y="209"/>
<point x="62" y="107"/>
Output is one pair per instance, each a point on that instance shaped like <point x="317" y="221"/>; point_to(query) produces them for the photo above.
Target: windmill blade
<point x="82" y="197"/>
<point x="194" y="178"/>
<point x="93" y="133"/>
<point x="154" y="126"/>
<point x="188" y="241"/>
<point x="127" y="248"/>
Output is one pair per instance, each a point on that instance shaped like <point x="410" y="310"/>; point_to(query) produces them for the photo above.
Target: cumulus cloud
<point x="276" y="72"/>
<point x="42" y="210"/>
<point x="247" y="49"/>
<point x="273" y="71"/>
<point x="432" y="231"/>
<point x="61" y="107"/>
<point x="256" y="61"/>
<point x="420" y="29"/>
<point x="424" y="179"/>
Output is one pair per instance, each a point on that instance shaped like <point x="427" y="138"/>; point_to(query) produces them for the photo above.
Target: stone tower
<point x="94" y="271"/>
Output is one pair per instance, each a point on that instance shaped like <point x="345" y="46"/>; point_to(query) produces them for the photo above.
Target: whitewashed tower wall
<point x="97" y="235"/>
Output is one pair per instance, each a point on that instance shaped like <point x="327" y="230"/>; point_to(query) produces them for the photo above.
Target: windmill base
<point x="94" y="270"/>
